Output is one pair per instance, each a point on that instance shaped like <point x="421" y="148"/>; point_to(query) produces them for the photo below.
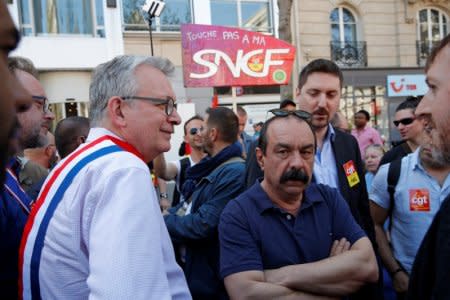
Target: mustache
<point x="296" y="175"/>
<point x="321" y="111"/>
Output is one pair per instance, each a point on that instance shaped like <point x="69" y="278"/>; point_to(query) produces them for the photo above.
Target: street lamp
<point x="152" y="8"/>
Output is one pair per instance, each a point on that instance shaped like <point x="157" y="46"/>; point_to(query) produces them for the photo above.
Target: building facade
<point x="369" y="39"/>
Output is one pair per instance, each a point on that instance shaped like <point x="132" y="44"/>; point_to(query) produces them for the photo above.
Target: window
<point x="433" y="25"/>
<point x="346" y="51"/>
<point x="82" y="17"/>
<point x="175" y="13"/>
<point x="251" y="15"/>
<point x="343" y="25"/>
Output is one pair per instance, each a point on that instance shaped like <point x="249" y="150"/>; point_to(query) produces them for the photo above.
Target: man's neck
<point x="440" y="174"/>
<point x="218" y="146"/>
<point x="289" y="203"/>
<point x="412" y="145"/>
<point x="197" y="154"/>
<point x="321" y="133"/>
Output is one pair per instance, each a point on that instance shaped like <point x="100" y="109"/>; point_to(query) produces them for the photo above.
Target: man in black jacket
<point x="337" y="161"/>
<point x="430" y="275"/>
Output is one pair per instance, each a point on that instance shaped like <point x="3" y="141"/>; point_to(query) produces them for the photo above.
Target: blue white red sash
<point x="51" y="195"/>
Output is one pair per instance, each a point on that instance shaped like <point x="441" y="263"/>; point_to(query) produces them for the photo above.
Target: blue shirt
<point x="325" y="171"/>
<point x="256" y="235"/>
<point x="14" y="209"/>
<point x="410" y="221"/>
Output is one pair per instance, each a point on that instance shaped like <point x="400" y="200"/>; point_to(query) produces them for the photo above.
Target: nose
<point x="297" y="160"/>
<point x="322" y="100"/>
<point x="49" y="115"/>
<point x="424" y="107"/>
<point x="174" y="117"/>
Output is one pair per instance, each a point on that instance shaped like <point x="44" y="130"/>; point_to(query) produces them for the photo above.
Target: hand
<point x="164" y="204"/>
<point x="339" y="247"/>
<point x="400" y="282"/>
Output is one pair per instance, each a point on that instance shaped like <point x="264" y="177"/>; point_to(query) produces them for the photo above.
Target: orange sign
<point x="419" y="200"/>
<point x="351" y="173"/>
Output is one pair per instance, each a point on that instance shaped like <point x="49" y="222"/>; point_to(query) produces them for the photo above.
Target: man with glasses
<point x="209" y="186"/>
<point x="176" y="170"/>
<point x="289" y="237"/>
<point x="97" y="230"/>
<point x="409" y="127"/>
<point x="13" y="212"/>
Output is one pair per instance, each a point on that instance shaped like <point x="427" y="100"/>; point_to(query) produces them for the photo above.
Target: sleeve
<point x="344" y="224"/>
<point x="238" y="249"/>
<point x="379" y="193"/>
<point x="126" y="260"/>
<point x="202" y="223"/>
<point x="376" y="137"/>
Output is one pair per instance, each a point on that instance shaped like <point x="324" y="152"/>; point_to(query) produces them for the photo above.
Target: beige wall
<point x="389" y="31"/>
<point x="167" y="45"/>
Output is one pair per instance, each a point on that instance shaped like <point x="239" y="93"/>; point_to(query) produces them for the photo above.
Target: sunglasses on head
<point x="194" y="131"/>
<point x="304" y="115"/>
<point x="405" y="121"/>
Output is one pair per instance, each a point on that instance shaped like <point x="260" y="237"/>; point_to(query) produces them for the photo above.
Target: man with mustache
<point x="286" y="236"/>
<point x="430" y="274"/>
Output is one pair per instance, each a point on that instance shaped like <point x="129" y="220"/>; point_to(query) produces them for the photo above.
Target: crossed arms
<point x="344" y="272"/>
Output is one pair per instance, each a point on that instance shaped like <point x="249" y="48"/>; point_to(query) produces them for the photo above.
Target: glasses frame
<point x="409" y="121"/>
<point x="45" y="105"/>
<point x="169" y="102"/>
<point x="195" y="130"/>
<point x="304" y="115"/>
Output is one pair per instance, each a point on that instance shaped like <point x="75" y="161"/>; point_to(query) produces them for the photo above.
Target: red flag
<point x="215" y="101"/>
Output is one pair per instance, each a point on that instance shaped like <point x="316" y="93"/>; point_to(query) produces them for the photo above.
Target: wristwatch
<point x="163" y="195"/>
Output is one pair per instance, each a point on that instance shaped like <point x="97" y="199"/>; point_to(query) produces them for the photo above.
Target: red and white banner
<point x="226" y="56"/>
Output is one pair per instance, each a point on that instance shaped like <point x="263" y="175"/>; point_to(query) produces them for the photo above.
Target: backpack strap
<point x="392" y="180"/>
<point x="185" y="163"/>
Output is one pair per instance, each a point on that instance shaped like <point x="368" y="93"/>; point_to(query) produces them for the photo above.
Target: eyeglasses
<point x="304" y="115"/>
<point x="42" y="101"/>
<point x="194" y="131"/>
<point x="405" y="121"/>
<point x="169" y="103"/>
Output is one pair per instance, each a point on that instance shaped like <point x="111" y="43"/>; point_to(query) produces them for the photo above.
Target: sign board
<point x="226" y="56"/>
<point x="406" y="85"/>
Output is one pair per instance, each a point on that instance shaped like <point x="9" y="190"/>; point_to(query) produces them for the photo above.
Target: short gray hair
<point x="117" y="78"/>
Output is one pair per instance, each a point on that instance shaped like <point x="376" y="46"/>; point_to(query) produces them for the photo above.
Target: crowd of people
<point x="306" y="209"/>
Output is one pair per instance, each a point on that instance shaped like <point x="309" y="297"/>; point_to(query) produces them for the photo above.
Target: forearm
<point x="163" y="169"/>
<point x="264" y="290"/>
<point x="336" y="276"/>
<point x="385" y="251"/>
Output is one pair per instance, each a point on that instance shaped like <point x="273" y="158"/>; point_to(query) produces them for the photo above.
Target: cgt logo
<point x="255" y="63"/>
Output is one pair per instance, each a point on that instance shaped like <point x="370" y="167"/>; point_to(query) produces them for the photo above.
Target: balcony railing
<point x="423" y="50"/>
<point x="349" y="54"/>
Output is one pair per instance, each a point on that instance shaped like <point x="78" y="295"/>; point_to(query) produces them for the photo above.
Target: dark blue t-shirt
<point x="256" y="235"/>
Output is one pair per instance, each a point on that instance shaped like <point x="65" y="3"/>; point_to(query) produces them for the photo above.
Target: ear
<point x="213" y="134"/>
<point x="185" y="139"/>
<point x="115" y="111"/>
<point x="80" y="140"/>
<point x="49" y="150"/>
<point x="297" y="92"/>
<point x="260" y="157"/>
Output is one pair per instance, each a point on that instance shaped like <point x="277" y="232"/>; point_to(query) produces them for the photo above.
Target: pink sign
<point x="225" y="56"/>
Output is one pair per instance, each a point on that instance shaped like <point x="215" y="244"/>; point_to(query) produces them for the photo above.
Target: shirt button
<point x="288" y="217"/>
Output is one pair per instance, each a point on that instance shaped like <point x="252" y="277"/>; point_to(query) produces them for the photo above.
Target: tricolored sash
<point x="51" y="195"/>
